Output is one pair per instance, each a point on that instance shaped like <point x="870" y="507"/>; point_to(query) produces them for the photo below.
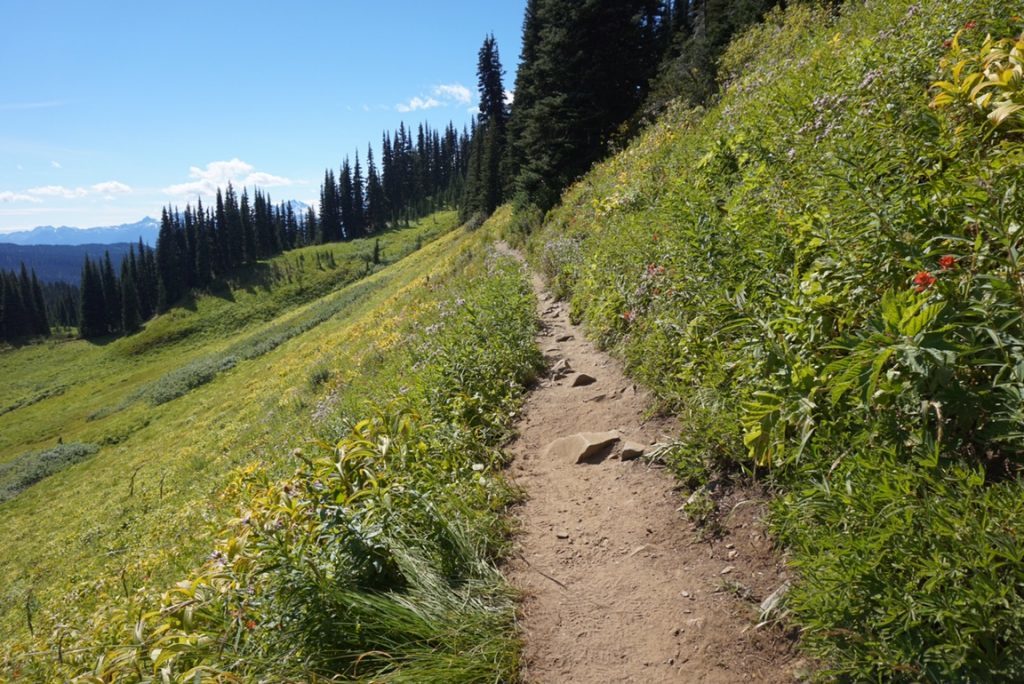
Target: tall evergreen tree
<point x="358" y="201"/>
<point x="376" y="209"/>
<point x="345" y="199"/>
<point x="584" y="70"/>
<point x="92" y="315"/>
<point x="111" y="295"/>
<point x="485" y="182"/>
<point x="41" y="322"/>
<point x="170" y="283"/>
<point x="130" y="317"/>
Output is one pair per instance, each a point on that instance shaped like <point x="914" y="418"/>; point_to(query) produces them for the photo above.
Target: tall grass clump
<point x="374" y="560"/>
<point x="822" y="274"/>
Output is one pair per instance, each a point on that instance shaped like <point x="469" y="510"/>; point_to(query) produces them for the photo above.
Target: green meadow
<point x="143" y="508"/>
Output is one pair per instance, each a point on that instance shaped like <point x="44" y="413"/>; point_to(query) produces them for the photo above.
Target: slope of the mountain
<point x="821" y="275"/>
<point x="388" y="387"/>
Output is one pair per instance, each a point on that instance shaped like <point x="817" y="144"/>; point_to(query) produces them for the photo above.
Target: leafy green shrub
<point x="25" y="470"/>
<point x="179" y="382"/>
<point x="910" y="573"/>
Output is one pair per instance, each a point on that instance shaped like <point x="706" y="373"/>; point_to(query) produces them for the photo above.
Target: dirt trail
<point x="617" y="587"/>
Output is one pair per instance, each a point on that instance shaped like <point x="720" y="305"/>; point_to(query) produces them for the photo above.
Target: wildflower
<point x="948" y="43"/>
<point x="629" y="316"/>
<point x="971" y="25"/>
<point x="923" y="280"/>
<point x="947" y="262"/>
<point x="250" y="624"/>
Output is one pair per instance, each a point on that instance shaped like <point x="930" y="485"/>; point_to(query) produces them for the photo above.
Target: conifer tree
<point x="111" y="295"/>
<point x="250" y="253"/>
<point x="203" y="253"/>
<point x="130" y="317"/>
<point x="584" y="70"/>
<point x="345" y="199"/>
<point x="170" y="284"/>
<point x="41" y="322"/>
<point x="376" y="209"/>
<point x="92" y="314"/>
<point x="358" y="201"/>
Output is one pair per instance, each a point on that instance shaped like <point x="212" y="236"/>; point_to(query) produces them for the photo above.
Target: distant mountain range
<point x="146" y="229"/>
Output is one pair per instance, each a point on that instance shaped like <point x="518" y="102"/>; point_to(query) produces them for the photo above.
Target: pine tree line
<point x="418" y="174"/>
<point x="22" y="307"/>
<point x="111" y="303"/>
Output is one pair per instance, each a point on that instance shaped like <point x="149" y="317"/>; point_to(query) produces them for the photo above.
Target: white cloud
<point x="418" y="103"/>
<point x="111" y="188"/>
<point x="55" y="164"/>
<point x="219" y="173"/>
<point x="444" y="95"/>
<point x="8" y="196"/>
<point x="57" y="191"/>
<point x="454" y="91"/>
<point x="510" y="96"/>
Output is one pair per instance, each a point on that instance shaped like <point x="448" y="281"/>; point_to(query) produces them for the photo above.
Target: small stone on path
<point x="582" y="380"/>
<point x="581" y="446"/>
<point x="632" y="450"/>
<point x="564" y="338"/>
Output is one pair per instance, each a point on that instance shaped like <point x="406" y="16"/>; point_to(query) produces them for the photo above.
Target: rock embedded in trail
<point x="581" y="446"/>
<point x="582" y="380"/>
<point x="632" y="450"/>
<point x="564" y="338"/>
<point x="561" y="369"/>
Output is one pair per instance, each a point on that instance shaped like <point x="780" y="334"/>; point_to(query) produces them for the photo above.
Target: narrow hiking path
<point x="617" y="586"/>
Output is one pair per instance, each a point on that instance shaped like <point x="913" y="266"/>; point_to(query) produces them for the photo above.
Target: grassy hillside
<point x="292" y="330"/>
<point x="821" y="273"/>
<point x="368" y="499"/>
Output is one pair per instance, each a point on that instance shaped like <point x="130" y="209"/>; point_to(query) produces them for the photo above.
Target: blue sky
<point x="110" y="110"/>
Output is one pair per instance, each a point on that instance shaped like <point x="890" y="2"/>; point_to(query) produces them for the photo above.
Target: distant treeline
<point x="195" y="247"/>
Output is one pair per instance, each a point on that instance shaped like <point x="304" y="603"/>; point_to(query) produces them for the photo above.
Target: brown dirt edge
<point x="616" y="585"/>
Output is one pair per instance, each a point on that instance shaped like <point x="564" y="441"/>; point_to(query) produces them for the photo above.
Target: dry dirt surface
<point x="617" y="585"/>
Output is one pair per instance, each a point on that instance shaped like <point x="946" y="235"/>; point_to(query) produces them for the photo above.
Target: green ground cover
<point x="821" y="274"/>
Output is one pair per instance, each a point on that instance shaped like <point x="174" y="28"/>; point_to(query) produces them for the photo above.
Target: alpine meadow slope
<point x="821" y="274"/>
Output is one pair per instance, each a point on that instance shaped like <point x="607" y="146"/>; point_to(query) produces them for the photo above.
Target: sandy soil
<point x="617" y="585"/>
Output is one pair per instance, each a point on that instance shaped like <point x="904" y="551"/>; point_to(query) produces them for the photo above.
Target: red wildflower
<point x="654" y="238"/>
<point x="923" y="280"/>
<point x="971" y="25"/>
<point x="948" y="43"/>
<point x="629" y="316"/>
<point x="947" y="262"/>
<point x="250" y="624"/>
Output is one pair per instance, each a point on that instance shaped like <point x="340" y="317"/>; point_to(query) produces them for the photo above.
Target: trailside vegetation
<point x="821" y="274"/>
